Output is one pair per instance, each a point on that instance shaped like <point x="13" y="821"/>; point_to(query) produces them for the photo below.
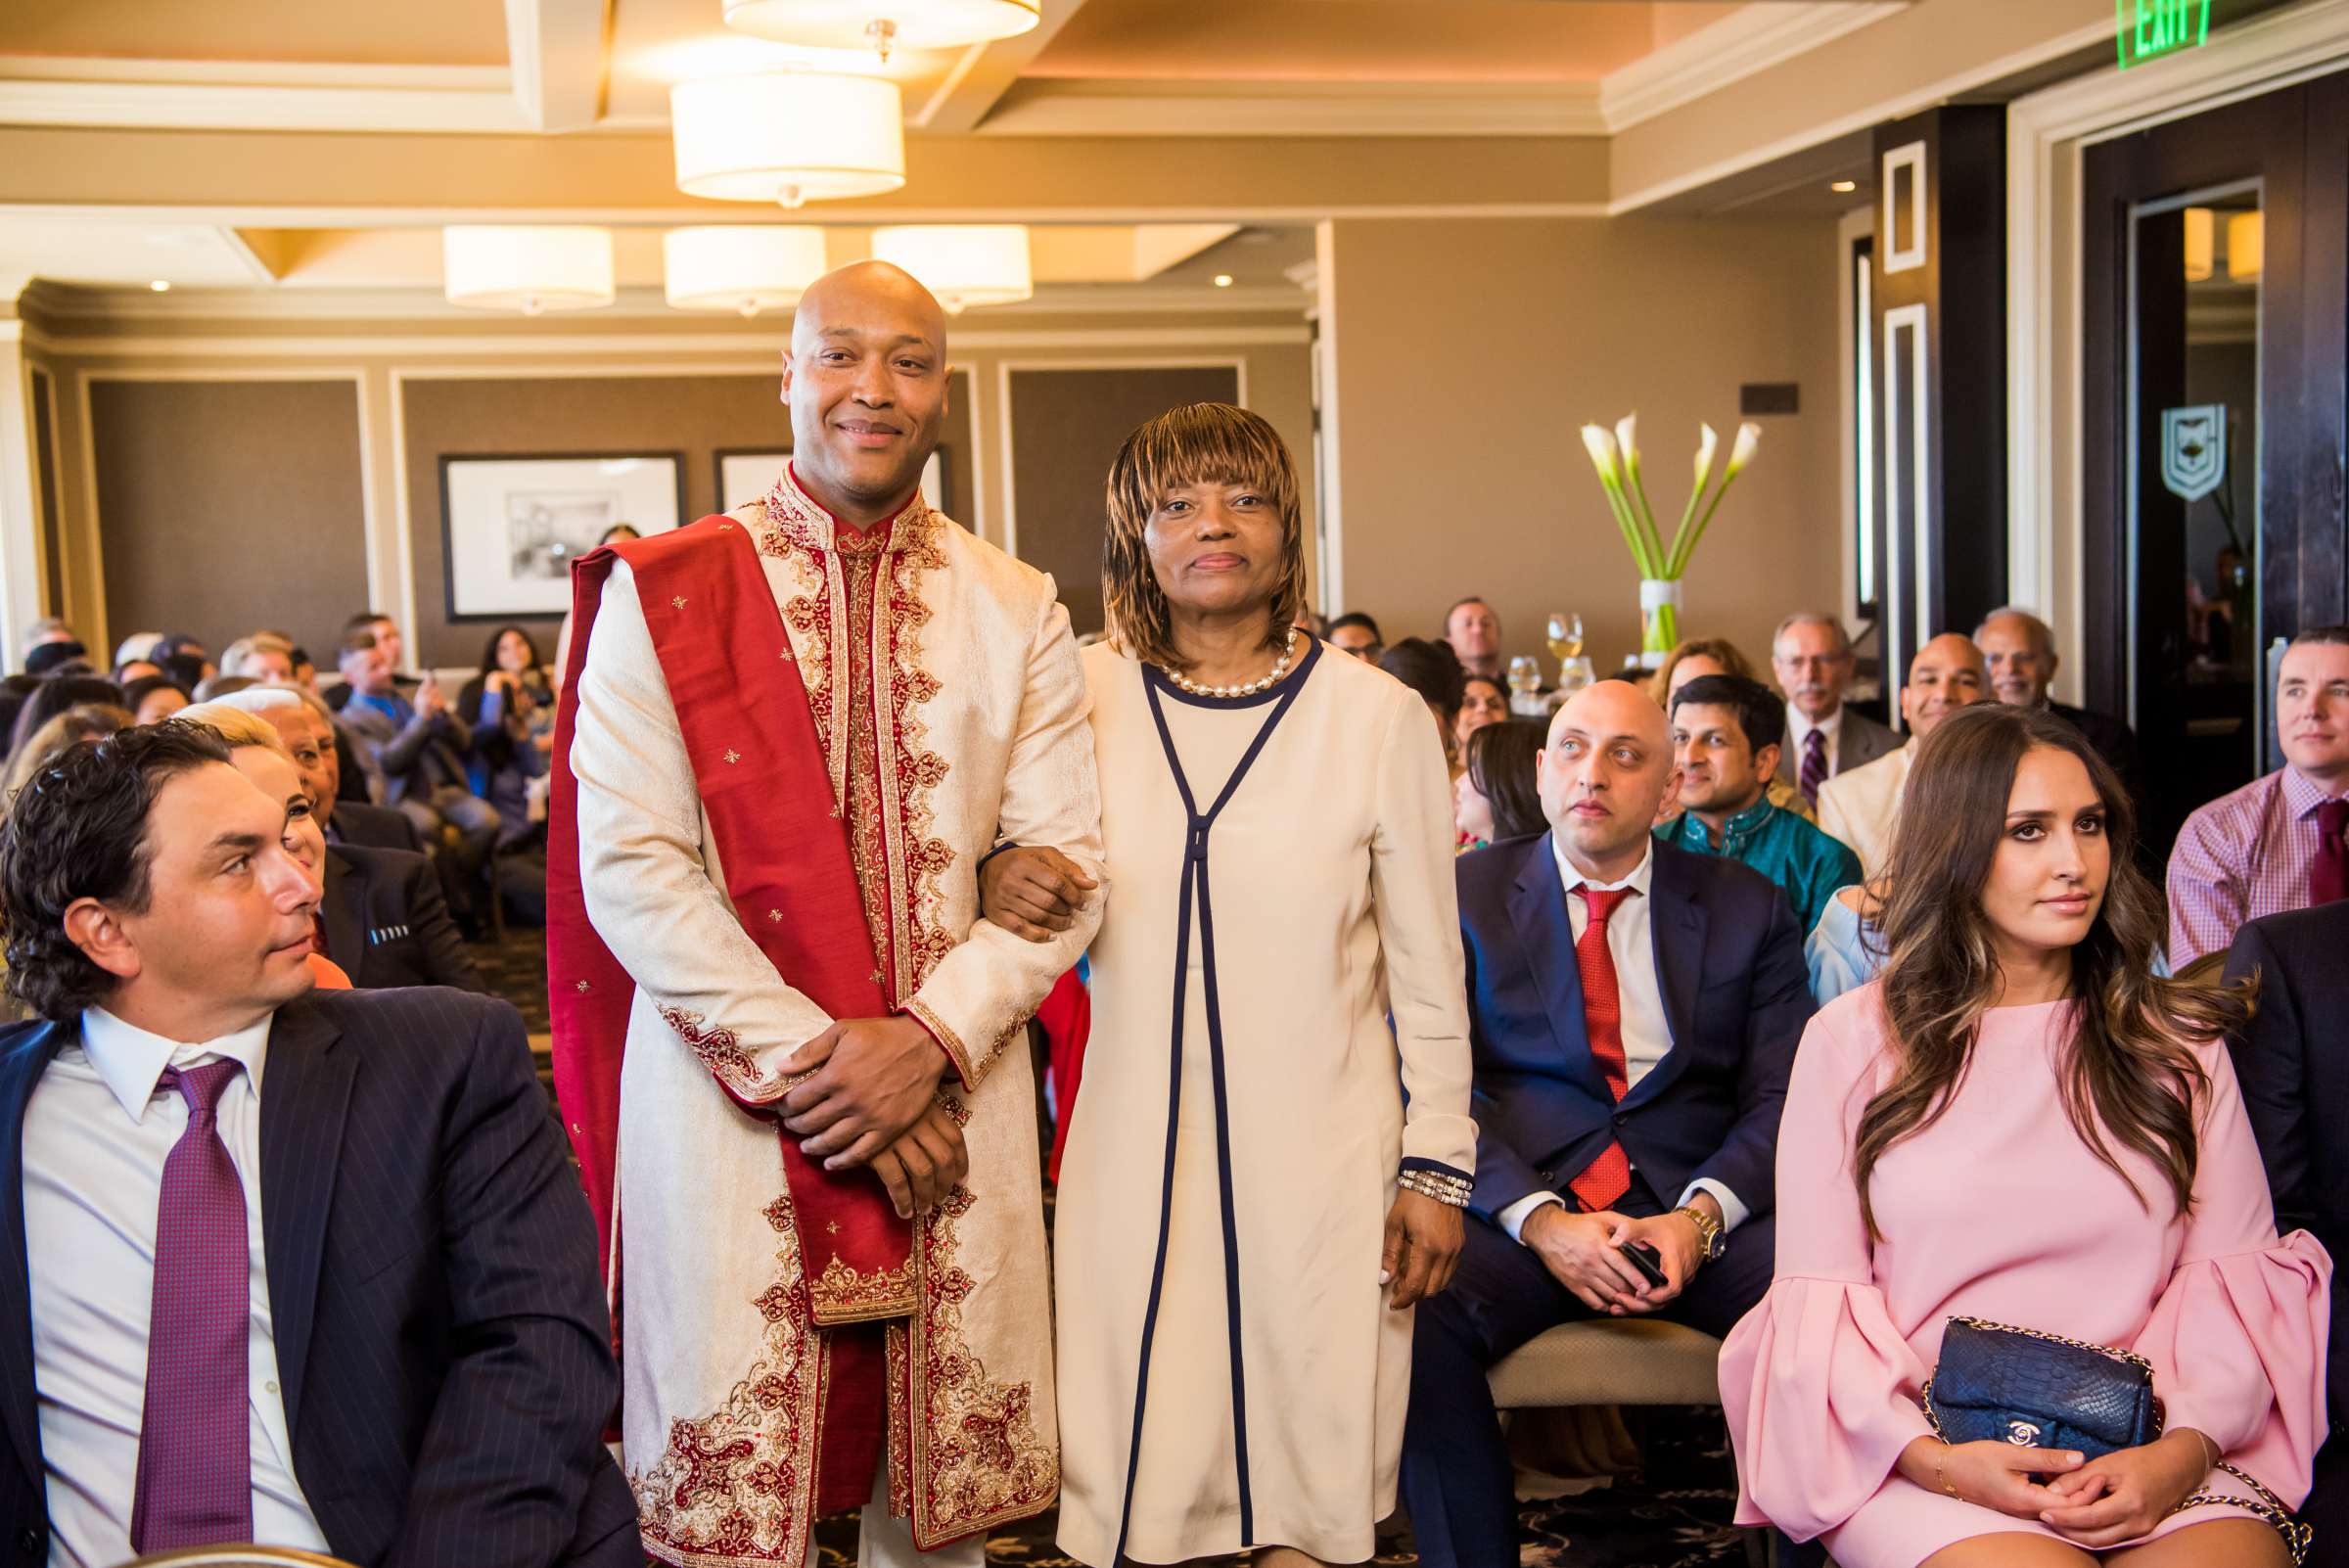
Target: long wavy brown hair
<point x="2128" y="1071"/>
<point x="1202" y="443"/>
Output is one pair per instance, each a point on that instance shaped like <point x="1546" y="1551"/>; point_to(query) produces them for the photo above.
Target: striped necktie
<point x="1815" y="764"/>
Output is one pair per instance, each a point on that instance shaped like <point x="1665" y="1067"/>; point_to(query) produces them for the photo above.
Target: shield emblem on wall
<point x="2194" y="450"/>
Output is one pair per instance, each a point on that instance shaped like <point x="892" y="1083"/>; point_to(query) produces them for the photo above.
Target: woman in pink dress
<point x="2018" y="1123"/>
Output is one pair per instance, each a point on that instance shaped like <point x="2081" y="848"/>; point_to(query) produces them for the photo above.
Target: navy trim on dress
<point x="1438" y="1167"/>
<point x="1158" y="681"/>
<point x="1194" y="894"/>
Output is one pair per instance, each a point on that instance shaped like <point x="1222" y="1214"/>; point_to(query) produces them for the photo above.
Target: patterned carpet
<point x="1673" y="1514"/>
<point x="1671" y="1511"/>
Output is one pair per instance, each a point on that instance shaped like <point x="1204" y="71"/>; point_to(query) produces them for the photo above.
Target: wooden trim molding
<point x="2045" y="132"/>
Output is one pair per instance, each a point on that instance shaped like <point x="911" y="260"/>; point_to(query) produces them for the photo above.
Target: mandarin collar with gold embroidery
<point x="790" y="519"/>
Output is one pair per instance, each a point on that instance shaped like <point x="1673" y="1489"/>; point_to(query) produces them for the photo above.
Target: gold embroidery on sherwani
<point x="861" y="559"/>
<point x="842" y="1295"/>
<point x="970" y="1069"/>
<point x="790" y="528"/>
<point x="900" y="1432"/>
<point x="978" y="1460"/>
<point x="964" y="1451"/>
<point x="720" y="1051"/>
<point x="730" y="1491"/>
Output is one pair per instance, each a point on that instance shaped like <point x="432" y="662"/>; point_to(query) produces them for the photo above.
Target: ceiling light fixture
<point x="883" y="25"/>
<point x="531" y="268"/>
<point x="964" y="264"/>
<point x="746" y="267"/>
<point x="2246" y="246"/>
<point x="1844" y="187"/>
<point x="1222" y="279"/>
<point x="161" y="286"/>
<point x="2201" y="243"/>
<point x="790" y="137"/>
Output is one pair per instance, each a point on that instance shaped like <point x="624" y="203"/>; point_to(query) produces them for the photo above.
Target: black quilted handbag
<point x="1997" y="1383"/>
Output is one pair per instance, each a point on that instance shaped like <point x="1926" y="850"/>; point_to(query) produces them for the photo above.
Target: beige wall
<point x="396" y="518"/>
<point x="227" y="506"/>
<point x="1468" y="354"/>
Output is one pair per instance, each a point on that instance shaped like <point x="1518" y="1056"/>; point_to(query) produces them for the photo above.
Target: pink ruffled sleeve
<point x="1819" y="1386"/>
<point x="2238" y="1339"/>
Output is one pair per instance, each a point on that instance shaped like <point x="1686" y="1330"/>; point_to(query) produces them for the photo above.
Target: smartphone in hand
<point x="1647" y="1260"/>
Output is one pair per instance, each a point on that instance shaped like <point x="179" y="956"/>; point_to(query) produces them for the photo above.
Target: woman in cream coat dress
<point x="1237" y="1271"/>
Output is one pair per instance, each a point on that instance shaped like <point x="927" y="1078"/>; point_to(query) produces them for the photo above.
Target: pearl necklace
<point x="1288" y="653"/>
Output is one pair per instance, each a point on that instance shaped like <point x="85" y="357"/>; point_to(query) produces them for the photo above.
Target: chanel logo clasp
<point x="2022" y="1434"/>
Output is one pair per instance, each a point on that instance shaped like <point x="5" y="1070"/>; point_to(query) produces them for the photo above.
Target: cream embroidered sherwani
<point x="974" y="714"/>
<point x="1861" y="806"/>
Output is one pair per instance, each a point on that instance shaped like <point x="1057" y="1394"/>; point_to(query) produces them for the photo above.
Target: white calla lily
<point x="1600" y="442"/>
<point x="1749" y="437"/>
<point x="1708" y="442"/>
<point x="1626" y="437"/>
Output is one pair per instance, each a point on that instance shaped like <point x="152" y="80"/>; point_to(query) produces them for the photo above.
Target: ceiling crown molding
<point x="264" y="96"/>
<point x="1102" y="106"/>
<point x="1748" y="40"/>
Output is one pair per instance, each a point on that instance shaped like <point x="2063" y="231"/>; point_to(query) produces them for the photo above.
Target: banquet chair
<point x="1616" y="1361"/>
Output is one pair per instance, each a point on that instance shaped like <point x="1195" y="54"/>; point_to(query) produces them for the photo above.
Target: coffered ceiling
<point x="294" y="147"/>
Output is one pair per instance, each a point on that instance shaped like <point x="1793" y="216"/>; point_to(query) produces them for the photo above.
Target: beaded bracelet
<point x="1450" y="1192"/>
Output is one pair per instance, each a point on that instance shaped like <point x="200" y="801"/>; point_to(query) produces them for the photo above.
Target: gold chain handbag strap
<point x="2297" y="1536"/>
<point x="2128" y="1358"/>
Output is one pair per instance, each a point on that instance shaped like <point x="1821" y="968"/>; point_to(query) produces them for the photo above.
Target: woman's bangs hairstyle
<point x="1204" y="443"/>
<point x="2128" y="1071"/>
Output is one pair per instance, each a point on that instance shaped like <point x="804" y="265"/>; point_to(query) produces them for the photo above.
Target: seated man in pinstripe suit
<point x="306" y="1269"/>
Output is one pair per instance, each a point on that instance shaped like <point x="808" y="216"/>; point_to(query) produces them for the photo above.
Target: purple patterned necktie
<point x="195" y="1482"/>
<point x="1815" y="764"/>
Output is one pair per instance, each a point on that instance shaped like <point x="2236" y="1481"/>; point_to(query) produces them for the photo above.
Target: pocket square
<point x="383" y="934"/>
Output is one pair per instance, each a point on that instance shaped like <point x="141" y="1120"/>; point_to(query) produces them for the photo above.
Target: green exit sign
<point x="2149" y="29"/>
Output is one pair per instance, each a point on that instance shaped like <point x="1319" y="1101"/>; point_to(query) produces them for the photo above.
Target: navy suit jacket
<point x="442" y="1334"/>
<point x="387" y="924"/>
<point x="373" y="827"/>
<point x="2293" y="1062"/>
<point x="1736" y="996"/>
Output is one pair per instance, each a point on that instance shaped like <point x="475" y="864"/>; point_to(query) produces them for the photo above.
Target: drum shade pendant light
<point x="2246" y="246"/>
<point x="2201" y="243"/>
<point x="527" y="268"/>
<point x="964" y="264"/>
<point x="789" y="136"/>
<point x="883" y="25"/>
<point x="746" y="267"/>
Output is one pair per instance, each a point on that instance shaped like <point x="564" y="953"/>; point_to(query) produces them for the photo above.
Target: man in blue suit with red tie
<point x="1633" y="1011"/>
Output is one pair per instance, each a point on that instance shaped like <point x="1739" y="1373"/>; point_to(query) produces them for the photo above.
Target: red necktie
<point x="2328" y="872"/>
<point x="194" y="1486"/>
<point x="1609" y="1177"/>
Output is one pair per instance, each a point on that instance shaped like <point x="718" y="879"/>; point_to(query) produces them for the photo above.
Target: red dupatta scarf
<point x="762" y="776"/>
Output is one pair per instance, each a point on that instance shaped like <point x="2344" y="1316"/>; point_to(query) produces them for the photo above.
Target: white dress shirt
<point x="97" y="1131"/>
<point x="1799" y="726"/>
<point x="1646" y="1031"/>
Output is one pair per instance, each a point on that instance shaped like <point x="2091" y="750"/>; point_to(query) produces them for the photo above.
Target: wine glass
<point x="1525" y="684"/>
<point x="1565" y="634"/>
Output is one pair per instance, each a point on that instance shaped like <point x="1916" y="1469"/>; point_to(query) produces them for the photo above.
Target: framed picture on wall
<point x="512" y="525"/>
<point x="744" y="477"/>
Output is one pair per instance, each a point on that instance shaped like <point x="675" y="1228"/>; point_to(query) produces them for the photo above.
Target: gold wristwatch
<point x="1710" y="1242"/>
